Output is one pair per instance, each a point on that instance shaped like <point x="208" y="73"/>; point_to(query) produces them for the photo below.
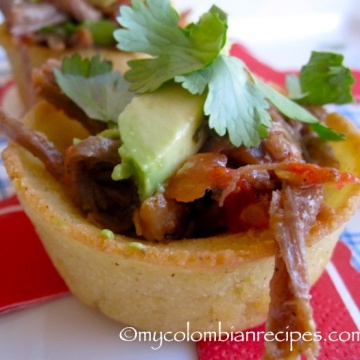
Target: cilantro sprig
<point x="227" y="99"/>
<point x="152" y="28"/>
<point x="236" y="100"/>
<point x="94" y="87"/>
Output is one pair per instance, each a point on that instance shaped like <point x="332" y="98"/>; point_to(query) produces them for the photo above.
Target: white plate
<point x="65" y="329"/>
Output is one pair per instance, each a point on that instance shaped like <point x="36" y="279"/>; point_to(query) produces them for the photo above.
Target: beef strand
<point x="293" y="210"/>
<point x="26" y="18"/>
<point x="88" y="168"/>
<point x="34" y="142"/>
<point x="80" y="10"/>
<point x="292" y="213"/>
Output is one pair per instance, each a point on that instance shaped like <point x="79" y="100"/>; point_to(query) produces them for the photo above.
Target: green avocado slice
<point x="158" y="131"/>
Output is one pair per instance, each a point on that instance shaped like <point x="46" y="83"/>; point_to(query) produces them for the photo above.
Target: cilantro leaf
<point x="292" y="84"/>
<point x="285" y="105"/>
<point x="236" y="101"/>
<point x="197" y="81"/>
<point x="326" y="133"/>
<point x="296" y="112"/>
<point x="234" y="104"/>
<point x="76" y="65"/>
<point x="324" y="80"/>
<point x="151" y="27"/>
<point x="65" y="28"/>
<point x="237" y="105"/>
<point x="102" y="94"/>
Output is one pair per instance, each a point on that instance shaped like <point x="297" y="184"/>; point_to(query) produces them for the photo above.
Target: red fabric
<point x="26" y="273"/>
<point x="350" y="274"/>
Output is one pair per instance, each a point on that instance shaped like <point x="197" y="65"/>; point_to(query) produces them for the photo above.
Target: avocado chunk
<point x="158" y="131"/>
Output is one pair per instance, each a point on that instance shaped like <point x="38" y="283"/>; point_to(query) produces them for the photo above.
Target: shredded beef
<point x="292" y="213"/>
<point x="222" y="181"/>
<point x="26" y="18"/>
<point x="88" y="168"/>
<point x="5" y="7"/>
<point x="288" y="140"/>
<point x="34" y="142"/>
<point x="236" y="156"/>
<point x="281" y="144"/>
<point x="80" y="10"/>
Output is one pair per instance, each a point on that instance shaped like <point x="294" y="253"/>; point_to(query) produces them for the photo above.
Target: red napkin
<point x="27" y="275"/>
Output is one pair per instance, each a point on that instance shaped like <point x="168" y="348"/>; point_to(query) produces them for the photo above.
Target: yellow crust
<point x="163" y="286"/>
<point x="24" y="57"/>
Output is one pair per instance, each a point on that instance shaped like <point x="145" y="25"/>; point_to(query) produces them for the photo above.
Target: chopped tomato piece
<point x="303" y="174"/>
<point x="202" y="172"/>
<point x="246" y="210"/>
